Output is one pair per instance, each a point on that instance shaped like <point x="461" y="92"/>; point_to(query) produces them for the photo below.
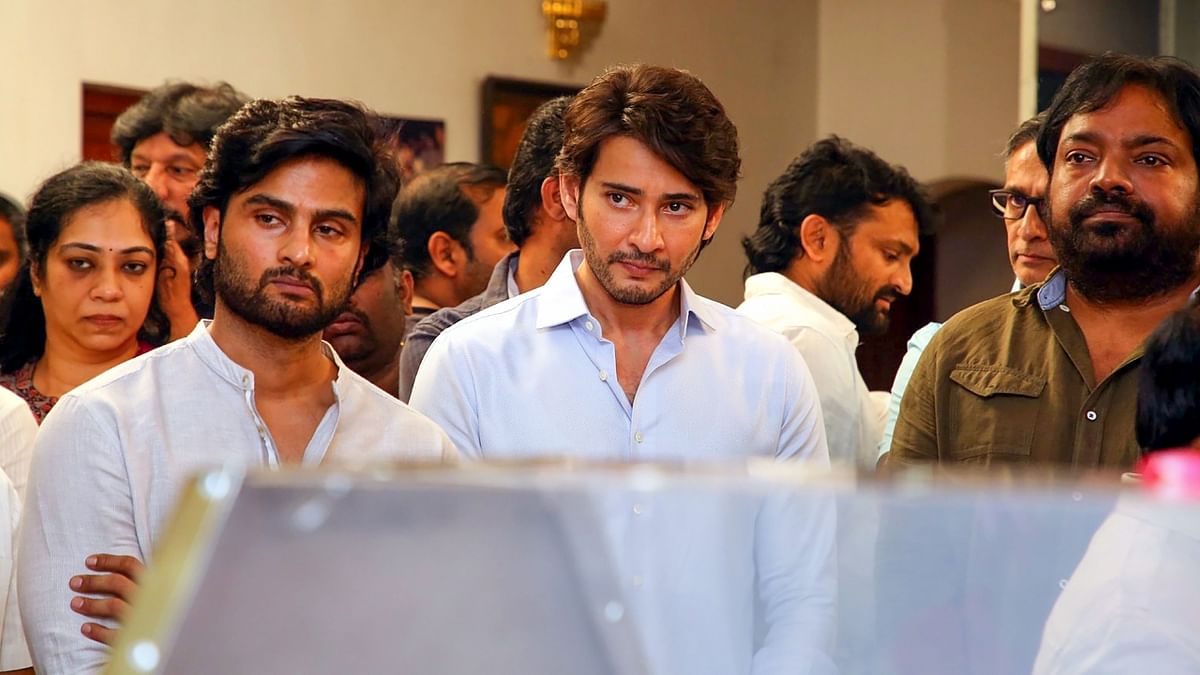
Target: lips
<point x="345" y="324"/>
<point x="293" y="286"/>
<point x="104" y="320"/>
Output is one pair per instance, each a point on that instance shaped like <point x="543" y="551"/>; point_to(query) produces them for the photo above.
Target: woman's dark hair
<point x="14" y="215"/>
<point x="22" y="320"/>
<point x="1168" y="403"/>
<point x="266" y="133"/>
<point x="834" y="179"/>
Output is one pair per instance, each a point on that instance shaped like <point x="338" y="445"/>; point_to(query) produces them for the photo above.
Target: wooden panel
<point x="102" y="104"/>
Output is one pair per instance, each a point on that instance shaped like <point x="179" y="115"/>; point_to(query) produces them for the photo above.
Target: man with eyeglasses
<point x="1019" y="203"/>
<point x="1048" y="375"/>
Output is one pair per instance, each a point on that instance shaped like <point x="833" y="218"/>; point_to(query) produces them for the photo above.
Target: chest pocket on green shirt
<point x="998" y="409"/>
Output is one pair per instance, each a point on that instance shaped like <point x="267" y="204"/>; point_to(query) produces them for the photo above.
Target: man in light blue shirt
<point x="616" y="358"/>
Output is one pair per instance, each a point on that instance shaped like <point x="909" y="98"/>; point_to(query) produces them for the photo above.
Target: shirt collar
<point x="501" y="285"/>
<point x="776" y="284"/>
<point x="200" y="340"/>
<point x="1174" y="516"/>
<point x="1052" y="292"/>
<point x="561" y="300"/>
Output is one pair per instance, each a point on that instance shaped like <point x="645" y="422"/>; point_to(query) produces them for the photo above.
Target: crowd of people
<point x="255" y="286"/>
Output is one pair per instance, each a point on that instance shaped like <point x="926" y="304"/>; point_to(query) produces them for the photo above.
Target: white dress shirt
<point x="534" y="376"/>
<point x="1133" y="604"/>
<point x="114" y="454"/>
<point x="827" y="340"/>
<point x="14" y="654"/>
<point x="18" y="427"/>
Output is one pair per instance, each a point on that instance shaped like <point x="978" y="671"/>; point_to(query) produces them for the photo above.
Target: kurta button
<point x="604" y="376"/>
<point x="1091" y="415"/>
<point x="637" y="509"/>
<point x="639" y="437"/>
<point x="589" y="325"/>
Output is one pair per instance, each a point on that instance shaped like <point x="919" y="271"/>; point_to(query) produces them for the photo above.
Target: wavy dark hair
<point x="837" y="180"/>
<point x="532" y="165"/>
<point x="1168" y="402"/>
<point x="14" y="215"/>
<point x="22" y="319"/>
<point x="668" y="110"/>
<point x="188" y="113"/>
<point x="1099" y="80"/>
<point x="267" y="133"/>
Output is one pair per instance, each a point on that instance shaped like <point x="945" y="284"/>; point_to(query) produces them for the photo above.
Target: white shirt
<point x="533" y="377"/>
<point x="18" y="427"/>
<point x="827" y="340"/>
<point x="1133" y="604"/>
<point x="114" y="454"/>
<point x="14" y="654"/>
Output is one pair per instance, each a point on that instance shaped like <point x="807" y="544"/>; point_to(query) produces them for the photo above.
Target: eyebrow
<point x="638" y="192"/>
<point x="96" y="249"/>
<point x="174" y="157"/>
<point x="290" y="209"/>
<point x="1135" y="142"/>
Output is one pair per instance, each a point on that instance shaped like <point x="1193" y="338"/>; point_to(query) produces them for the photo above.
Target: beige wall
<point x="421" y="59"/>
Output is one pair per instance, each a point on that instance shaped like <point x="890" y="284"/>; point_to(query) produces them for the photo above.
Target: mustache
<point x="1110" y="202"/>
<point x="639" y="258"/>
<point x="303" y="276"/>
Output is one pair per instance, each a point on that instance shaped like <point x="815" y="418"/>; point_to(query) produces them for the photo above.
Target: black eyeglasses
<point x="1013" y="205"/>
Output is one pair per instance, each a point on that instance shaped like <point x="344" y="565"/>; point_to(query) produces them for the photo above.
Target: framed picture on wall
<point x="507" y="105"/>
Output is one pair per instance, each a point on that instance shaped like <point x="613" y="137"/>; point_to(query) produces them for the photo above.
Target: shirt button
<point x="1091" y="415"/>
<point x="1064" y="308"/>
<point x="604" y="376"/>
<point x="637" y="509"/>
<point x="639" y="437"/>
<point x="589" y="325"/>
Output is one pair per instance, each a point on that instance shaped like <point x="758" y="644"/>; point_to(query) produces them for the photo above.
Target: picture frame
<point x="507" y="104"/>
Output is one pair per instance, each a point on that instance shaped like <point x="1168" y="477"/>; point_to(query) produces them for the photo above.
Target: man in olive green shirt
<point x="1048" y="375"/>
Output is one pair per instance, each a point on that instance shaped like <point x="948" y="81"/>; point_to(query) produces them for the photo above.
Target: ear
<point x="444" y="253"/>
<point x="212" y="231"/>
<point x="404" y="289"/>
<point x="552" y="204"/>
<point x="713" y="220"/>
<point x="35" y="277"/>
<point x="358" y="265"/>
<point x="817" y="238"/>
<point x="569" y="187"/>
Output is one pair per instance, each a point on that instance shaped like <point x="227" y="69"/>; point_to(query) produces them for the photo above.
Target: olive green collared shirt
<point x="1009" y="381"/>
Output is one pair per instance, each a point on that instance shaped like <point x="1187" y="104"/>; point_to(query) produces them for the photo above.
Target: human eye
<point x="139" y="169"/>
<point x="617" y="199"/>
<point x="1077" y="157"/>
<point x="135" y="267"/>
<point x="268" y="219"/>
<point x="327" y="230"/>
<point x="179" y="171"/>
<point x="1152" y="160"/>
<point x="79" y="264"/>
<point x="891" y="256"/>
<point x="678" y="208"/>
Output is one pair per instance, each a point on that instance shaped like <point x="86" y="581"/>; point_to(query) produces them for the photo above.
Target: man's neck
<point x="65" y="365"/>
<point x="540" y="255"/>
<point x="384" y="375"/>
<point x="652" y="319"/>
<point x="799" y="273"/>
<point x="434" y="292"/>
<point x="280" y="365"/>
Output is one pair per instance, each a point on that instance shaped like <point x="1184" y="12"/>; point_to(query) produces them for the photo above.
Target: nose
<point x="1111" y="175"/>
<point x="108" y="287"/>
<point x="156" y="178"/>
<point x="647" y="236"/>
<point x="297" y="247"/>
<point x="902" y="280"/>
<point x="1032" y="227"/>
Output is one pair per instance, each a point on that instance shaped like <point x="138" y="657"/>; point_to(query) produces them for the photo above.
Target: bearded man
<point x="1049" y="374"/>
<point x="833" y="249"/>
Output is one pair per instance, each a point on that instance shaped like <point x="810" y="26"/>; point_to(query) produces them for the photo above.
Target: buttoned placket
<point x="270" y="453"/>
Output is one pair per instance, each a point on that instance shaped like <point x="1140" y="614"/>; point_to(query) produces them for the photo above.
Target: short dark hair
<point x="1168" y="403"/>
<point x="22" y="319"/>
<point x="188" y="113"/>
<point x="834" y="179"/>
<point x="532" y="165"/>
<point x="12" y="212"/>
<point x="1099" y="80"/>
<point x="443" y="199"/>
<point x="267" y="133"/>
<point x="669" y="111"/>
<point x="1026" y="133"/>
